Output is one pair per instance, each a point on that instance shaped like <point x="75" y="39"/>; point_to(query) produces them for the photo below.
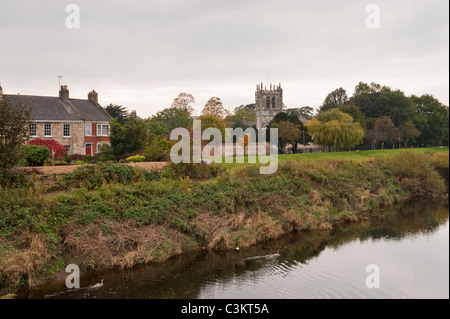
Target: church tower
<point x="269" y="102"/>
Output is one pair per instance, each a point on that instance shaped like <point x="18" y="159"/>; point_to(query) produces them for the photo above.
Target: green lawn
<point x="357" y="156"/>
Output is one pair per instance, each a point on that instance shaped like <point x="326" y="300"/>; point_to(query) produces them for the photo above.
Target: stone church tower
<point x="268" y="103"/>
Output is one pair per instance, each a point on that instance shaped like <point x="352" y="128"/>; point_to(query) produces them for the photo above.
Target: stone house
<point x="82" y="126"/>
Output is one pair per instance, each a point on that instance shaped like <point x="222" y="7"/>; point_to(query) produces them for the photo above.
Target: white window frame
<point x="68" y="149"/>
<point x="86" y="130"/>
<point x="35" y="129"/>
<point x="45" y="129"/>
<point x="64" y="130"/>
<point x="100" y="130"/>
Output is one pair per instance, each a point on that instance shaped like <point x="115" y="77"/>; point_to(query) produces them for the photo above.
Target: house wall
<point x="94" y="139"/>
<point x="76" y="140"/>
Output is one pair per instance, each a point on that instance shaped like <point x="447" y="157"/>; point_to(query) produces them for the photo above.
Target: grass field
<point x="356" y="156"/>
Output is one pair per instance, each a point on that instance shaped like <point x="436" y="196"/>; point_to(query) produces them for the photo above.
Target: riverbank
<point x="119" y="217"/>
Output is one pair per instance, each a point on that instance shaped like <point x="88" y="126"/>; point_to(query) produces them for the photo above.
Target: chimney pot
<point x="64" y="93"/>
<point x="93" y="96"/>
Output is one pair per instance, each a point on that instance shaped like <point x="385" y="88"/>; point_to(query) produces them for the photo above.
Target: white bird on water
<point x="98" y="285"/>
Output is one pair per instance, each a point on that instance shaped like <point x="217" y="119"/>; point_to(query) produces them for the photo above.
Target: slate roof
<point x="90" y="111"/>
<point x="48" y="108"/>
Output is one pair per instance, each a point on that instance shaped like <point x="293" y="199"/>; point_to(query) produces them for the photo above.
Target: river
<point x="409" y="245"/>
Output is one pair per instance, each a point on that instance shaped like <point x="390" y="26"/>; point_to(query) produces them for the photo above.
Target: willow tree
<point x="335" y="130"/>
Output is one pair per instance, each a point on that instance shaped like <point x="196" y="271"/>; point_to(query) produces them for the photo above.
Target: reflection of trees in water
<point x="187" y="276"/>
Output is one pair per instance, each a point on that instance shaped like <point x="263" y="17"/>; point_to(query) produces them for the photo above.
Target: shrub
<point x="56" y="149"/>
<point x="106" y="153"/>
<point x="35" y="155"/>
<point x="194" y="171"/>
<point x="158" y="150"/>
<point x="135" y="159"/>
<point x="14" y="178"/>
<point x="94" y="176"/>
<point x="416" y="174"/>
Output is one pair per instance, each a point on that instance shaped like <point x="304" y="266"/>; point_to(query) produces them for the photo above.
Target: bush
<point x="194" y="171"/>
<point x="56" y="149"/>
<point x="94" y="176"/>
<point x="158" y="150"/>
<point x="416" y="174"/>
<point x="14" y="178"/>
<point x="135" y="159"/>
<point x="106" y="154"/>
<point x="35" y="155"/>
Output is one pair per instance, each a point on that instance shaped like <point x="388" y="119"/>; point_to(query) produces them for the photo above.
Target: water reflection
<point x="410" y="244"/>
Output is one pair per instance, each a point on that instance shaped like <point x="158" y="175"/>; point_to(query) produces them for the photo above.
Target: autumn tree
<point x="335" y="130"/>
<point x="212" y="121"/>
<point x="408" y="131"/>
<point x="215" y="107"/>
<point x="385" y="131"/>
<point x="184" y="102"/>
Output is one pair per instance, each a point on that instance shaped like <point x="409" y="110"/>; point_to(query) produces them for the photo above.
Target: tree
<point x="129" y="138"/>
<point x="241" y="117"/>
<point x="183" y="102"/>
<point x="376" y="101"/>
<point x="288" y="133"/>
<point x="335" y="99"/>
<point x="408" y="131"/>
<point x="215" y="107"/>
<point x="212" y="121"/>
<point x="356" y="113"/>
<point x="372" y="137"/>
<point x="118" y="112"/>
<point x="250" y="107"/>
<point x="14" y="131"/>
<point x="168" y="119"/>
<point x="385" y="131"/>
<point x="431" y="119"/>
<point x="292" y="117"/>
<point x="335" y="130"/>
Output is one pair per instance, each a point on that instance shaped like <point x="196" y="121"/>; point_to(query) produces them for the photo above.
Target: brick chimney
<point x="93" y="96"/>
<point x="64" y="93"/>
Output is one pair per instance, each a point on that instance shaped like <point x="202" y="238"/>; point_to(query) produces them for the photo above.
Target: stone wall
<point x="76" y="140"/>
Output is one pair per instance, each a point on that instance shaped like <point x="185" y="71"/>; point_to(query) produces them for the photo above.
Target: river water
<point x="409" y="245"/>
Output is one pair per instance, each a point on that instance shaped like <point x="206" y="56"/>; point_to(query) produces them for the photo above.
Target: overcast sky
<point x="142" y="54"/>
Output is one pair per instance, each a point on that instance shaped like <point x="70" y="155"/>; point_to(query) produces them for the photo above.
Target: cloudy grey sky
<point x="141" y="54"/>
